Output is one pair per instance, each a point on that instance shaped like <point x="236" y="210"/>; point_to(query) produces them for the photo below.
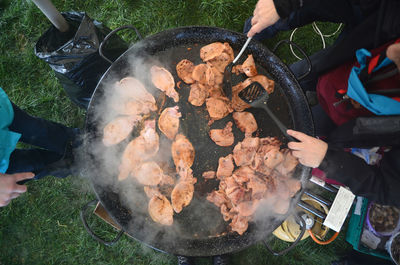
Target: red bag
<point x="332" y="89"/>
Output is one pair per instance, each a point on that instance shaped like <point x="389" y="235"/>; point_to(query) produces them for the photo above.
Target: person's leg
<point x="322" y="122"/>
<point x="42" y="133"/>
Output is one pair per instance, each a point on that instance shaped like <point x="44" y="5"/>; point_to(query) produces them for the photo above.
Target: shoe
<point x="185" y="260"/>
<point x="221" y="260"/>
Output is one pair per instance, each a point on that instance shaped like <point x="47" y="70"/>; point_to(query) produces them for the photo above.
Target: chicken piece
<point x="221" y="61"/>
<point x="185" y="172"/>
<point x="237" y="103"/>
<point x="245" y="151"/>
<point x="213" y="76"/>
<point x="258" y="187"/>
<point x="217" y="197"/>
<point x="163" y="80"/>
<point x="182" y="195"/>
<point x="160" y="210"/>
<point x="151" y="191"/>
<point x="239" y="224"/>
<point x="167" y="180"/>
<point x="223" y="137"/>
<point x="228" y="50"/>
<point x="245" y="121"/>
<point x="208" y="174"/>
<point x="139" y="149"/>
<point x="293" y="185"/>
<point x="288" y="164"/>
<point x="199" y="73"/>
<point x="273" y="157"/>
<point x="247" y="208"/>
<point x="249" y="66"/>
<point x="243" y="174"/>
<point x="218" y="108"/>
<point x="168" y="122"/>
<point x="225" y="166"/>
<point x="215" y="92"/>
<point x="198" y="94"/>
<point x="237" y="69"/>
<point x="182" y="150"/>
<point x="149" y="173"/>
<point x="211" y="51"/>
<point x="119" y="129"/>
<point x="227" y="213"/>
<point x="268" y="84"/>
<point x="184" y="69"/>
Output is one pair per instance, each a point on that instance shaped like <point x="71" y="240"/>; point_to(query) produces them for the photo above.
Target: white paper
<point x="369" y="239"/>
<point x="340" y="208"/>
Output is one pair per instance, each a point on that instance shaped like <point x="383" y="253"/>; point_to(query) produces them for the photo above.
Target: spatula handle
<point x="282" y="127"/>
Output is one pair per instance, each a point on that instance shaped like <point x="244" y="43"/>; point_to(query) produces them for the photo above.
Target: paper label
<point x="339" y="209"/>
<point x="369" y="239"/>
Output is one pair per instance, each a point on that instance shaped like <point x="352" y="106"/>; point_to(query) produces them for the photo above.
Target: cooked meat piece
<point x="148" y="173"/>
<point x="163" y="80"/>
<point x="230" y="185"/>
<point x="167" y="180"/>
<point x="208" y="174"/>
<point x="249" y="66"/>
<point x="223" y="137"/>
<point x="243" y="174"/>
<point x="273" y="157"/>
<point x="215" y="92"/>
<point x="184" y="69"/>
<point x="182" y="195"/>
<point x="228" y="50"/>
<point x="281" y="206"/>
<point x="151" y="191"/>
<point x="211" y="51"/>
<point x="227" y="213"/>
<point x="218" y="108"/>
<point x="245" y="121"/>
<point x="258" y="187"/>
<point x="239" y="224"/>
<point x="293" y="185"/>
<point x="288" y="164"/>
<point x="130" y="87"/>
<point x="238" y="195"/>
<point x="118" y="129"/>
<point x="213" y="76"/>
<point x="133" y="107"/>
<point x="237" y="69"/>
<point x="217" y="197"/>
<point x="199" y="73"/>
<point x="182" y="150"/>
<point x="268" y="84"/>
<point x="141" y="148"/>
<point x="245" y="151"/>
<point x="225" y="166"/>
<point x="221" y="61"/>
<point x="247" y="208"/>
<point x="168" y="122"/>
<point x="160" y="210"/>
<point x="198" y="94"/>
<point x="185" y="172"/>
<point x="237" y="103"/>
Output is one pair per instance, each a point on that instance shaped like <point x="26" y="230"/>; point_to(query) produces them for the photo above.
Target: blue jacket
<point x="8" y="139"/>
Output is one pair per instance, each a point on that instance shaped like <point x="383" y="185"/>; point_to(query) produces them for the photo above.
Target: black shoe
<point x="221" y="260"/>
<point x="185" y="260"/>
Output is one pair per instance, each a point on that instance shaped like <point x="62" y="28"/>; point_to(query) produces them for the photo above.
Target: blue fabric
<point x="8" y="139"/>
<point x="378" y="104"/>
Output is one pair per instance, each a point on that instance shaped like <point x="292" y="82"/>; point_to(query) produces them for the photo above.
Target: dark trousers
<point x="49" y="138"/>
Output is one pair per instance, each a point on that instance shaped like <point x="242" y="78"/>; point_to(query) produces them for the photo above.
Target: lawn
<point x="43" y="225"/>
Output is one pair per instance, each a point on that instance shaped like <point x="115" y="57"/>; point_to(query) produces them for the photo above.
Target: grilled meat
<point x="223" y="137"/>
<point x="163" y="80"/>
<point x="168" y="122"/>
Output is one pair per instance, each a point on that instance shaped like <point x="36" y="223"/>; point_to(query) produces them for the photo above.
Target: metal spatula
<point x="227" y="82"/>
<point x="256" y="96"/>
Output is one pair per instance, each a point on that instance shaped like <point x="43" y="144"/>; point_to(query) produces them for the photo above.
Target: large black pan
<point x="199" y="229"/>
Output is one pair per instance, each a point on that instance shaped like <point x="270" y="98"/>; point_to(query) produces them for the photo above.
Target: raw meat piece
<point x="168" y="122"/>
<point x="182" y="150"/>
<point x="151" y="191"/>
<point x="239" y="224"/>
<point x="245" y="121"/>
<point x="208" y="174"/>
<point x="163" y="80"/>
<point x="223" y="137"/>
<point x="225" y="166"/>
<point x="249" y="66"/>
<point x="160" y="210"/>
<point x="268" y="84"/>
<point x="118" y="129"/>
<point x="199" y="73"/>
<point x="139" y="149"/>
<point x="184" y="69"/>
<point x="182" y="195"/>
<point x="198" y="94"/>
<point x="211" y="51"/>
<point x="149" y="173"/>
<point x="218" y="108"/>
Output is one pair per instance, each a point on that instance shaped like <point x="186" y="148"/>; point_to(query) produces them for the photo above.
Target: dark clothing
<point x="379" y="183"/>
<point x="51" y="138"/>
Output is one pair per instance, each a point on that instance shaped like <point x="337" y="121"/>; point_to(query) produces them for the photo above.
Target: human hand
<point x="310" y="151"/>
<point x="264" y="15"/>
<point x="9" y="189"/>
<point x="393" y="53"/>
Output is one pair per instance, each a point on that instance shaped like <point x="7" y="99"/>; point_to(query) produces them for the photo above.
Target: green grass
<point x="43" y="225"/>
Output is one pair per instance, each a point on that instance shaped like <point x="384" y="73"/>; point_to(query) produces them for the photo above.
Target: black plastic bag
<point x="74" y="55"/>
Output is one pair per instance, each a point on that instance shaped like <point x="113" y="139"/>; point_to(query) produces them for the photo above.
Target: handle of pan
<point x="90" y="231"/>
<point x="112" y="33"/>
<point x="303" y="230"/>
<point x="291" y="43"/>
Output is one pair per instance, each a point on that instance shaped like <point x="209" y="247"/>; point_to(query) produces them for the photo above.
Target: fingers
<point x="19" y="188"/>
<point x="296" y="154"/>
<point x="14" y="195"/>
<point x="298" y="135"/>
<point x="255" y="29"/>
<point x="295" y="145"/>
<point x="23" y="176"/>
